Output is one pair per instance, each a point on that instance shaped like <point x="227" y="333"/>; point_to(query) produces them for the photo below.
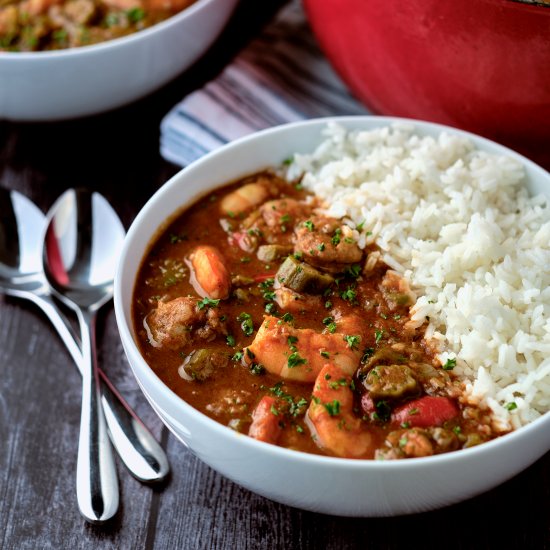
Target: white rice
<point x="459" y="225"/>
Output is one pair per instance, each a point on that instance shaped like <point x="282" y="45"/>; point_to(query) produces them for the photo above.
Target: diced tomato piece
<point x="265" y="421"/>
<point x="425" y="412"/>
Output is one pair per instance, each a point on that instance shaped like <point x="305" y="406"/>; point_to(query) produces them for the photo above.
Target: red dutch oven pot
<point x="479" y="65"/>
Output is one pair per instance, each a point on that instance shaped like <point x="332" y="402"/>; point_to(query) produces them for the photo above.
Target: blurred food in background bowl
<point x="480" y="65"/>
<point x="80" y="81"/>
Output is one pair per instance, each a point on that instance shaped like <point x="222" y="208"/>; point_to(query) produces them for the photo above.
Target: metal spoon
<point x="22" y="225"/>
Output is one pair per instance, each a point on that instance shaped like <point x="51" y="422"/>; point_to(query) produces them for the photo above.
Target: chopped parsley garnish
<point x="457" y="430"/>
<point x="330" y="324"/>
<point x="274" y="410"/>
<point x="353" y="341"/>
<point x="353" y="270"/>
<point x="412" y="412"/>
<point x="450" y="364"/>
<point x="230" y="340"/>
<point x="324" y="354"/>
<point x="309" y="225"/>
<point x="295" y="360"/>
<point x="333" y="408"/>
<point x="207" y="302"/>
<point x="237" y="356"/>
<point x="336" y="237"/>
<point x="257" y="369"/>
<point x="337" y="383"/>
<point x="321" y="247"/>
<point x="511" y="406"/>
<point x="349" y="294"/>
<point x="135" y="15"/>
<point x="359" y="226"/>
<point x="287" y="318"/>
<point x="269" y="307"/>
<point x="295" y="407"/>
<point x="268" y="283"/>
<point x="378" y="334"/>
<point x="247" y="325"/>
<point x="328" y="304"/>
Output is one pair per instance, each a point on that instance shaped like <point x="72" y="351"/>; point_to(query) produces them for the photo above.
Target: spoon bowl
<point x="82" y="243"/>
<point x="20" y="229"/>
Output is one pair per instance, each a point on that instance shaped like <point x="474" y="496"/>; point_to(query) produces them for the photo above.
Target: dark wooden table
<point x="117" y="154"/>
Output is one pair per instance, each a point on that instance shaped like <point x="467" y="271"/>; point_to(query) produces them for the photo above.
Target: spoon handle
<point x="135" y="444"/>
<point x="96" y="478"/>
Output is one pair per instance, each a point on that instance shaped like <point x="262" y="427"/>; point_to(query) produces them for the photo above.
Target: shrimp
<point x="265" y="421"/>
<point x="245" y="198"/>
<point x="330" y="416"/>
<point x="299" y="354"/>
<point x="281" y="215"/>
<point x="209" y="275"/>
<point x="327" y="244"/>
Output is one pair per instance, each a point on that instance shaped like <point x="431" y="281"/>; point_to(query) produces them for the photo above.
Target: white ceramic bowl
<point x="42" y="86"/>
<point x="330" y="485"/>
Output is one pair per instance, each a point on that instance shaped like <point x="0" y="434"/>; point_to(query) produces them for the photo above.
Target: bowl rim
<point x="111" y="44"/>
<point x="224" y="432"/>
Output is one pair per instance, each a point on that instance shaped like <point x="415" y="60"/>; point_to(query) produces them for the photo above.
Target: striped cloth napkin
<point x="281" y="76"/>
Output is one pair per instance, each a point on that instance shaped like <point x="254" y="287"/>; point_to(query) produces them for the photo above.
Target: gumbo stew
<point x="264" y="314"/>
<point x="35" y="25"/>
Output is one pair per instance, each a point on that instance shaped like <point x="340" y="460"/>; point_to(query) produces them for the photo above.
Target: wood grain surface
<point x="117" y="155"/>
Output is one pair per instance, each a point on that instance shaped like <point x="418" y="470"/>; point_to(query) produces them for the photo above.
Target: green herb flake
<point x="274" y="410"/>
<point x="333" y="408"/>
<point x="257" y="369"/>
<point x="324" y="354"/>
<point x="309" y="225"/>
<point x="450" y="364"/>
<point x="378" y="334"/>
<point x="247" y="325"/>
<point x="511" y="406"/>
<point x="352" y="341"/>
<point x="135" y="15"/>
<point x="286" y="318"/>
<point x="237" y="356"/>
<point x="230" y="340"/>
<point x="349" y="295"/>
<point x="295" y="360"/>
<point x="353" y="271"/>
<point x="207" y="302"/>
